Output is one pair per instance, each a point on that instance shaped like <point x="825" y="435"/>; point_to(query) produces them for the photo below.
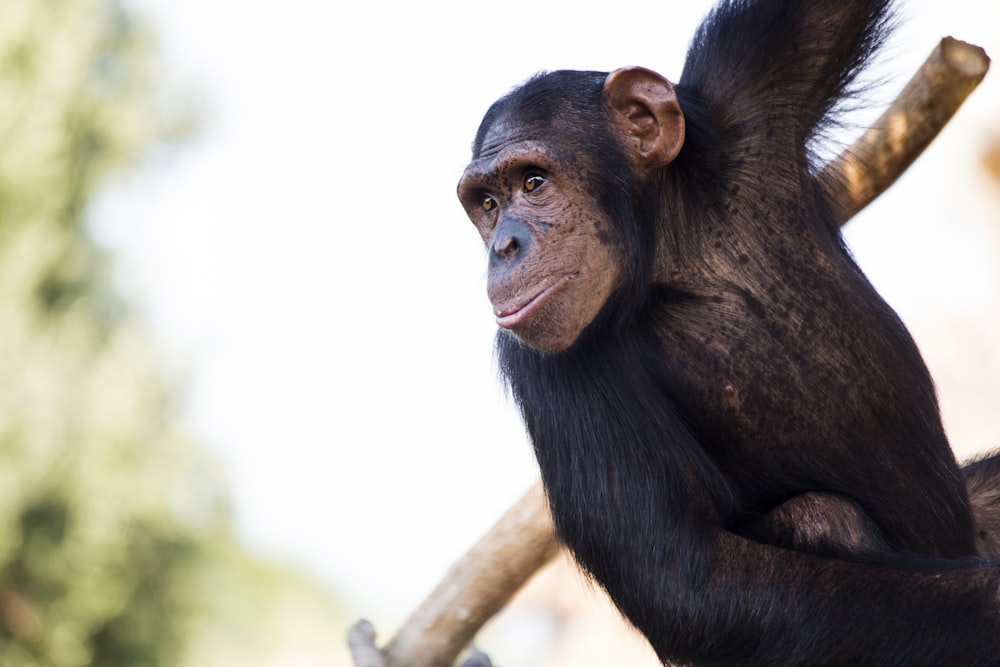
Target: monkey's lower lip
<point x="513" y="316"/>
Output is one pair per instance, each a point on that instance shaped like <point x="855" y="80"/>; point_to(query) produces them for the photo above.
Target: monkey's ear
<point x="644" y="107"/>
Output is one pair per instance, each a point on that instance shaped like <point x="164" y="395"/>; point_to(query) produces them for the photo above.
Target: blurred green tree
<point x="110" y="520"/>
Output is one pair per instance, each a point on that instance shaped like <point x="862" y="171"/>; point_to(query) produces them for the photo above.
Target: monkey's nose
<point x="510" y="239"/>
<point x="506" y="247"/>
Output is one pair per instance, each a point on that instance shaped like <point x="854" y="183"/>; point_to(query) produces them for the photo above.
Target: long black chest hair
<point x="611" y="445"/>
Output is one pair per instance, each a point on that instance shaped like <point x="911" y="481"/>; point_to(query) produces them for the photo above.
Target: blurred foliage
<point x="111" y="523"/>
<point x="104" y="506"/>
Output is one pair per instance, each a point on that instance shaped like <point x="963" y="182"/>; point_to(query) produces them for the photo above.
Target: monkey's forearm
<point x="824" y="606"/>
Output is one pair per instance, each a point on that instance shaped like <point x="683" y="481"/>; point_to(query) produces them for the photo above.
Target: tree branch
<point x="474" y="589"/>
<point x="874" y="162"/>
<point x="493" y="570"/>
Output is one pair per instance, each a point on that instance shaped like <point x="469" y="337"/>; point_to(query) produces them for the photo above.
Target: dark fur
<point x="685" y="499"/>
<point x="983" y="481"/>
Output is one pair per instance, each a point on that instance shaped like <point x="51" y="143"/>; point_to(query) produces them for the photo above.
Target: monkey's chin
<point x="542" y="322"/>
<point x="520" y="313"/>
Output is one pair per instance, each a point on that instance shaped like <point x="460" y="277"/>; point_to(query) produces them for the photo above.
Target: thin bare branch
<point x="874" y="162"/>
<point x="477" y="586"/>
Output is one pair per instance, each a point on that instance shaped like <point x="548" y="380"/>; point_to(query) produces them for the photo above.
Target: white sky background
<point x="307" y="265"/>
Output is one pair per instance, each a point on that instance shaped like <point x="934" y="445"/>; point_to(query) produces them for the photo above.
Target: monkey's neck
<point x="598" y="416"/>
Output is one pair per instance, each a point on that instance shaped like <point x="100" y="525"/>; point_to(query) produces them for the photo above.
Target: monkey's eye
<point x="533" y="181"/>
<point x="489" y="203"/>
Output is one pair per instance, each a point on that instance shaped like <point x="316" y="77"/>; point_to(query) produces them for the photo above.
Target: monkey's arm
<point x="771" y="73"/>
<point x="780" y="607"/>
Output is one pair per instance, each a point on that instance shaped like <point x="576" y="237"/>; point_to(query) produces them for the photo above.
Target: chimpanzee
<point x="738" y="437"/>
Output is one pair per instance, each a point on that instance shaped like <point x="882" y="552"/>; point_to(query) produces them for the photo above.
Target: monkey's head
<point x="557" y="168"/>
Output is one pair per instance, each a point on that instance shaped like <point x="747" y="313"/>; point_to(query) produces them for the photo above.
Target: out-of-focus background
<point x="246" y="381"/>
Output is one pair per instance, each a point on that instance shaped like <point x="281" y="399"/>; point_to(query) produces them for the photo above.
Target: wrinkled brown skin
<point x="554" y="296"/>
<point x="573" y="265"/>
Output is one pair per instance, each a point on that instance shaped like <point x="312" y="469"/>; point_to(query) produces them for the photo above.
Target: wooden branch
<point x="485" y="579"/>
<point x="900" y="135"/>
<point x="473" y="590"/>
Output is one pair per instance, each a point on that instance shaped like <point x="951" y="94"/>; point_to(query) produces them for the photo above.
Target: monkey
<point x="738" y="438"/>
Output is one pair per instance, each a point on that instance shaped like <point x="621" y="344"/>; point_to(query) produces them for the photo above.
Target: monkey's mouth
<point x="512" y="316"/>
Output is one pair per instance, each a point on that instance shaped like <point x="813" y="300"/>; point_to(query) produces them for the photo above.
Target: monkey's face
<point x="553" y="261"/>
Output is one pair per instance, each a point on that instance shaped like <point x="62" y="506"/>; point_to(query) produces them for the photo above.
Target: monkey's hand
<point x="361" y="640"/>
